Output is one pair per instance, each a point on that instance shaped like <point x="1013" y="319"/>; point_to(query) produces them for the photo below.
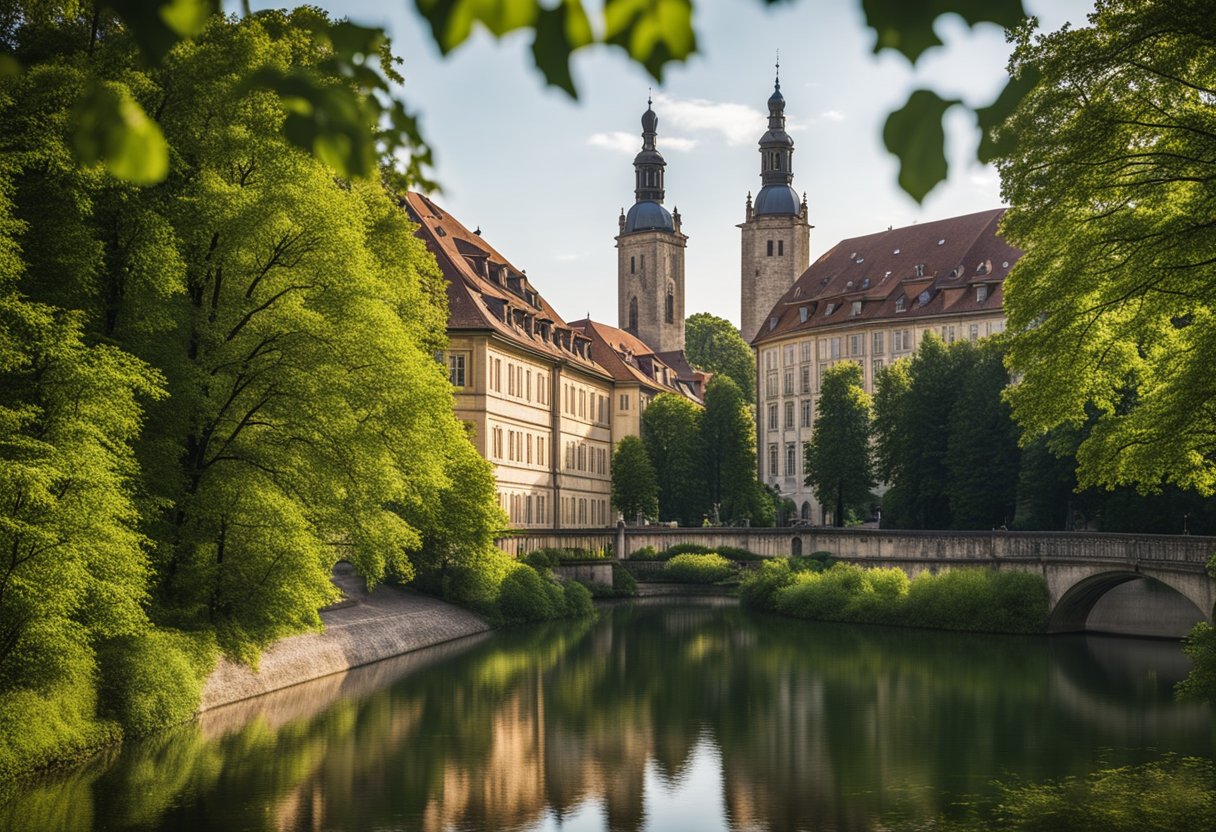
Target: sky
<point x="545" y="177"/>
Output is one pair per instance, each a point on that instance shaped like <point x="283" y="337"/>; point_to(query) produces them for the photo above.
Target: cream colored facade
<point x="791" y="369"/>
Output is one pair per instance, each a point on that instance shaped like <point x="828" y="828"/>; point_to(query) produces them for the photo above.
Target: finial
<point x="649" y="94"/>
<point x="777" y="83"/>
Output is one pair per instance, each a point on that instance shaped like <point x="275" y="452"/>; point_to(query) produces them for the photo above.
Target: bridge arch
<point x="1073" y="607"/>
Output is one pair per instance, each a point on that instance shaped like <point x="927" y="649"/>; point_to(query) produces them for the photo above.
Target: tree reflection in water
<point x="768" y="723"/>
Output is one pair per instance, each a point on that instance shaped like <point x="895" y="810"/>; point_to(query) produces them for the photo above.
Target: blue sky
<point x="545" y="177"/>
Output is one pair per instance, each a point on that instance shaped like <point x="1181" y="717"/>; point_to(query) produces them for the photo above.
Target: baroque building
<point x="776" y="245"/>
<point x="870" y="300"/>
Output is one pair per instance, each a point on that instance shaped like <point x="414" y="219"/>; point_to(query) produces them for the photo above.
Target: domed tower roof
<point x="777" y="196"/>
<point x="648" y="212"/>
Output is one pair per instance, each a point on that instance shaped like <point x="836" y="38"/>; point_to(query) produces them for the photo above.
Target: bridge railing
<point x="890" y="544"/>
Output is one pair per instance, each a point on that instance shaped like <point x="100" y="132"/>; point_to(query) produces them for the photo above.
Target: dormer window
<point x="803" y="312"/>
<point x="901" y="304"/>
<point x="981" y="294"/>
<point x="830" y="309"/>
<point x="856" y="307"/>
<point x="920" y="269"/>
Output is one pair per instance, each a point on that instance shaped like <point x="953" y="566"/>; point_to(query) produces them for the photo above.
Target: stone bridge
<point x="1113" y="582"/>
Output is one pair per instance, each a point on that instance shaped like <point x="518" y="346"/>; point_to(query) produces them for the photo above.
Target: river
<point x="657" y="716"/>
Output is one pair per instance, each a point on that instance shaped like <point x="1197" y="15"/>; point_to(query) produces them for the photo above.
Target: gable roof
<point x="486" y="292"/>
<point x="630" y="360"/>
<point x="934" y="267"/>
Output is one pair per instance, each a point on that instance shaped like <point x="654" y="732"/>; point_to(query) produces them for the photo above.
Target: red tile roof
<point x="486" y="292"/>
<point x="629" y="359"/>
<point x="935" y="267"/>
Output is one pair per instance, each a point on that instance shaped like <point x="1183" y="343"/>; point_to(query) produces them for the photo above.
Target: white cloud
<point x="831" y="115"/>
<point x="629" y="143"/>
<point x="739" y="124"/>
<point x="616" y="141"/>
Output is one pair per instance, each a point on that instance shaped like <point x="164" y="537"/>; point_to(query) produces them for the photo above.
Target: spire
<point x="648" y="164"/>
<point x="776" y="158"/>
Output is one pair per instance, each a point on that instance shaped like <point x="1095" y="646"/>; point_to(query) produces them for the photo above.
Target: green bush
<point x="760" y="587"/>
<point x="979" y="600"/>
<point x="623" y="583"/>
<point x="542" y="560"/>
<point x="1200" y="683"/>
<point x="685" y="549"/>
<point x="155" y="679"/>
<point x="738" y="553"/>
<point x="698" y="569"/>
<point x="578" y="600"/>
<point x="527" y="596"/>
<point x="645" y="553"/>
<point x="475" y="582"/>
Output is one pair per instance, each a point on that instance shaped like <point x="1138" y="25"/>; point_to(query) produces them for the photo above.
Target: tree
<point x="671" y="428"/>
<point x="1108" y="171"/>
<point x="982" y="457"/>
<point x="728" y="435"/>
<point x="714" y="344"/>
<point x="635" y="489"/>
<point x="838" y="463"/>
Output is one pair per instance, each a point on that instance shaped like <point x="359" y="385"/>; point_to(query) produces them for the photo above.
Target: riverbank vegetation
<point x="211" y="390"/>
<point x="975" y="600"/>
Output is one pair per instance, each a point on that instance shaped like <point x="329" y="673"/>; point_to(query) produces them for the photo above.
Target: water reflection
<point x="654" y="717"/>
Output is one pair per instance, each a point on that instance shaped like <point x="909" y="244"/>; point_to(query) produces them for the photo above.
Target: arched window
<point x="633" y="315"/>
<point x="796" y="547"/>
<point x="806" y="511"/>
<point x="669" y="313"/>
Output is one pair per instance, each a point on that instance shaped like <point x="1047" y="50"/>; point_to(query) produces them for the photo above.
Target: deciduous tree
<point x="671" y="432"/>
<point x="715" y="345"/>
<point x="838" y="458"/>
<point x="635" y="489"/>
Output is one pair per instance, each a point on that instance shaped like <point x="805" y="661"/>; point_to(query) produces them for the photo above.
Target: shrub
<point x="623" y="583"/>
<point x="599" y="589"/>
<point x="645" y="553"/>
<point x="814" y="562"/>
<point x="476" y="581"/>
<point x="685" y="549"/>
<point x="578" y="600"/>
<point x="542" y="560"/>
<point x="1200" y="682"/>
<point x="527" y="596"/>
<point x="978" y="599"/>
<point x="738" y="553"/>
<point x="759" y="588"/>
<point x="698" y="569"/>
<point x="155" y="679"/>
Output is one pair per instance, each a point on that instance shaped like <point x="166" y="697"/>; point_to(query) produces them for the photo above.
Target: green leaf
<point x="158" y="25"/>
<point x="907" y="25"/>
<point x="991" y="118"/>
<point x="653" y="32"/>
<point x="452" y="20"/>
<point x="111" y="128"/>
<point x="9" y="66"/>
<point x="559" y="32"/>
<point x="914" y="134"/>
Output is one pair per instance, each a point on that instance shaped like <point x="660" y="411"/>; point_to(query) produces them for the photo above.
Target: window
<point x="770" y="248"/>
<point x="806" y="379"/>
<point x="856" y="345"/>
<point x="805" y="349"/>
<point x="624" y="403"/>
<point x="496" y="375"/>
<point x="806" y="413"/>
<point x="974" y="332"/>
<point x="772" y="460"/>
<point x="981" y="294"/>
<point x="770" y="359"/>
<point x="789" y="415"/>
<point x="582" y="457"/>
<point x="528" y="444"/>
<point x="542" y="388"/>
<point x="856" y="308"/>
<point x="788" y="386"/>
<point x="456" y="368"/>
<point x="876" y="368"/>
<point x="633" y="315"/>
<point x="877" y="343"/>
<point x="541" y="446"/>
<point x="633" y="265"/>
<point x="540" y="508"/>
<point x="770" y="385"/>
<point x="511" y="445"/>
<point x="803" y="312"/>
<point x="772" y="417"/>
<point x="901" y="304"/>
<point x="791" y="460"/>
<point x="669" y="310"/>
<point x="834" y="347"/>
<point x="789" y="354"/>
<point x="823" y="368"/>
<point x="497" y="443"/>
<point x="781" y="248"/>
<point x="920" y="269"/>
<point x="528" y="385"/>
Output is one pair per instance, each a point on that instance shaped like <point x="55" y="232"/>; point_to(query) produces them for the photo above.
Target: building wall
<point x="790" y="371"/>
<point x="648" y="264"/>
<point x="584" y="430"/>
<point x="765" y="277"/>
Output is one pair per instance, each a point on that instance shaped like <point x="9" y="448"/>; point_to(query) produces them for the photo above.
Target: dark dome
<point x="777" y="199"/>
<point x="650" y="122"/>
<point x="776" y="101"/>
<point x="648" y="216"/>
<point x="776" y="137"/>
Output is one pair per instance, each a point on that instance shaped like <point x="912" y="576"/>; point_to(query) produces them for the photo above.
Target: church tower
<point x="776" y="234"/>
<point x="650" y="254"/>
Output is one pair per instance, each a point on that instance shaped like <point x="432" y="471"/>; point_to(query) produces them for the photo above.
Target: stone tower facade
<point x="776" y="234"/>
<point x="650" y="254"/>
